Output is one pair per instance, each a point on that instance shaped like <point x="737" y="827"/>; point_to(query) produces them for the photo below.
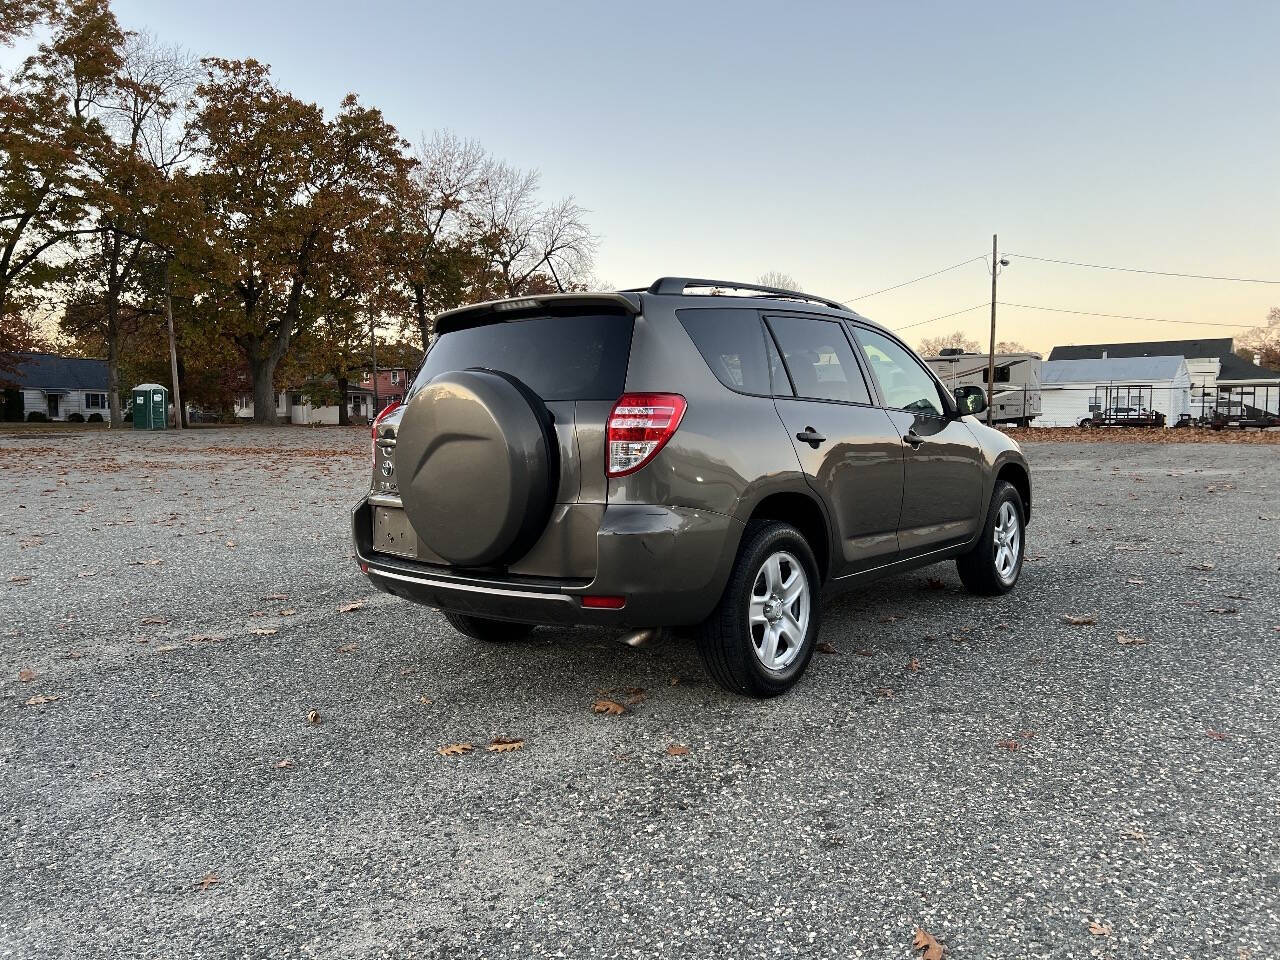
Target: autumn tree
<point x="280" y="183"/>
<point x="932" y="346"/>
<point x="1010" y="346"/>
<point x="122" y="261"/>
<point x="49" y="133"/>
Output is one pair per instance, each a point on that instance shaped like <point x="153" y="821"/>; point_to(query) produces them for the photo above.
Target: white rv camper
<point x="1016" y="398"/>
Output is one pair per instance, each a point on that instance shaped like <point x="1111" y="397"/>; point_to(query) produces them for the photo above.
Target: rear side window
<point x="732" y="343"/>
<point x="819" y="359"/>
<point x="578" y="357"/>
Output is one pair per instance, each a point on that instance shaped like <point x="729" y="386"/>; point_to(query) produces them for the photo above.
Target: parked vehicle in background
<point x="1124" y="417"/>
<point x="662" y="458"/>
<point x="1016" y="397"/>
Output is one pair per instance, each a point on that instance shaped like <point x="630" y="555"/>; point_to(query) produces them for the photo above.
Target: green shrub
<point x="95" y="418"/>
<point x="37" y="416"/>
<point x="76" y="417"/>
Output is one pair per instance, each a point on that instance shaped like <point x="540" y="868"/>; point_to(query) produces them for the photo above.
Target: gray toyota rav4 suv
<point x="659" y="457"/>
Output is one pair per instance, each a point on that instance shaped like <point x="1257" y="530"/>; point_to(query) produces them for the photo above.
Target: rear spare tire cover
<point x="476" y="458"/>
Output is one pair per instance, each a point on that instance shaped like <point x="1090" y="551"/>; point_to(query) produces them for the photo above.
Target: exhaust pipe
<point x="638" y="638"/>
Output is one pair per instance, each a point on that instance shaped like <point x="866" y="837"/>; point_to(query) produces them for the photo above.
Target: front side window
<point x="819" y="359"/>
<point x="904" y="382"/>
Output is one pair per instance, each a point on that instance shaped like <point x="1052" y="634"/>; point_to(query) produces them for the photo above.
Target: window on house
<point x="395" y="376"/>
<point x="95" y="401"/>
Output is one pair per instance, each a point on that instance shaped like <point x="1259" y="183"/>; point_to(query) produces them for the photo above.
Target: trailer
<point x="1016" y="394"/>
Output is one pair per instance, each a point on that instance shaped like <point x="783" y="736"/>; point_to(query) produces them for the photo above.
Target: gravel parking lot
<point x="1014" y="784"/>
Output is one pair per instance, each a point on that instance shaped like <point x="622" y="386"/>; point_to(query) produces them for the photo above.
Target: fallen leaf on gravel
<point x="913" y="665"/>
<point x="26" y="674"/>
<point x="276" y="596"/>
<point x="885" y="692"/>
<point x="1087" y="620"/>
<point x="283" y="764"/>
<point x="348" y="647"/>
<point x="859" y="652"/>
<point x="1223" y="610"/>
<point x="1215" y="735"/>
<point x="209" y="880"/>
<point x="313" y="718"/>
<point x="1136" y="581"/>
<point x="454" y="749"/>
<point x="675" y="681"/>
<point x="503" y="745"/>
<point x="1008" y="744"/>
<point x="204" y="638"/>
<point x="154" y="621"/>
<point x="925" y="944"/>
<point x="1135" y="834"/>
<point x="1125" y="639"/>
<point x="22" y="578"/>
<point x="41" y="699"/>
<point x="424" y="700"/>
<point x="677" y="750"/>
<point x="1099" y="929"/>
<point x="165" y="648"/>
<point x="891" y="618"/>
<point x="353" y="605"/>
<point x="288" y="613"/>
<point x="611" y="707"/>
<point x="825" y="646"/>
<point x="231" y="544"/>
<point x="634" y="695"/>
<point x="1201" y="566"/>
<point x="933" y="583"/>
<point x="263" y="631"/>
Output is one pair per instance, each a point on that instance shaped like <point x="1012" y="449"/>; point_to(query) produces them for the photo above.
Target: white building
<point x="60" y="386"/>
<point x="299" y="407"/>
<point x="1072" y="390"/>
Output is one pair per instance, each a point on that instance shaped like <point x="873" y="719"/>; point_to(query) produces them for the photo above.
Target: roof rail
<point x="677" y="285"/>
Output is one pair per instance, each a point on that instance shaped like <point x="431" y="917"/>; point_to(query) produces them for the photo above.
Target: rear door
<point x="942" y="493"/>
<point x="848" y="447"/>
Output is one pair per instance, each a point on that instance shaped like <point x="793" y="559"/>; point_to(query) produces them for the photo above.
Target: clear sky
<point x="852" y="145"/>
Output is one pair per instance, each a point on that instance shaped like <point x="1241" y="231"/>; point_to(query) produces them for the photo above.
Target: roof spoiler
<point x="675" y="286"/>
<point x="481" y="313"/>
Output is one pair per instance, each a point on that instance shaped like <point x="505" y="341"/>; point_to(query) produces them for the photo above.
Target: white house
<point x="1071" y="390"/>
<point x="61" y="386"/>
<point x="297" y="407"/>
<point x="1220" y="380"/>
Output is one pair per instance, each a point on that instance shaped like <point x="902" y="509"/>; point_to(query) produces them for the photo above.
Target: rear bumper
<point x="670" y="563"/>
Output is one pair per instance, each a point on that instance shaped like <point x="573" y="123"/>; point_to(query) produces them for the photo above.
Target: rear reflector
<point x="605" y="603"/>
<point x="364" y="568"/>
<point x="639" y="426"/>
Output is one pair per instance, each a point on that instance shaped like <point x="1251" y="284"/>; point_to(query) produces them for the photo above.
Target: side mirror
<point x="970" y="400"/>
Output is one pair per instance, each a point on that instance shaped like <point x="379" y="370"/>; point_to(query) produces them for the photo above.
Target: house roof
<point x="1111" y="370"/>
<point x="45" y="371"/>
<point x="1191" y="349"/>
<point x="1238" y="368"/>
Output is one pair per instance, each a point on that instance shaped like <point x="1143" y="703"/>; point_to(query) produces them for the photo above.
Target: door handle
<point x="914" y="439"/>
<point x="811" y="437"/>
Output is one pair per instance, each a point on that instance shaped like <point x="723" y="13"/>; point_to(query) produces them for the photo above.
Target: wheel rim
<point x="1008" y="542"/>
<point x="779" y="618"/>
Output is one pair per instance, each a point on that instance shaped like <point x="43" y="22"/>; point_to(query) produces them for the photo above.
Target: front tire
<point x="490" y="631"/>
<point x="993" y="566"/>
<point x="760" y="638"/>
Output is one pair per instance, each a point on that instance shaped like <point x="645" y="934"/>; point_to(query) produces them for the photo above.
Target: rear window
<point x="733" y="344"/>
<point x="577" y="357"/>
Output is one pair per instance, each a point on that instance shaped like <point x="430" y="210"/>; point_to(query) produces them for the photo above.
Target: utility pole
<point x="373" y="352"/>
<point x="991" y="357"/>
<point x="173" y="346"/>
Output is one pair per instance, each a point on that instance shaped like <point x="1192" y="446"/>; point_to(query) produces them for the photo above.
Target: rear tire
<point x="760" y="638"/>
<point x="490" y="631"/>
<point x="993" y="566"/>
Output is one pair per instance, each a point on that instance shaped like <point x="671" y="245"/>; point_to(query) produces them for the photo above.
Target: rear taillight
<point x="389" y="409"/>
<point x="639" y="426"/>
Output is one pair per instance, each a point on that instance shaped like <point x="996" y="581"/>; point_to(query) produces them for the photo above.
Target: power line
<point x="921" y="323"/>
<point x="1158" y="273"/>
<point x="1125" y="316"/>
<point x="906" y="283"/>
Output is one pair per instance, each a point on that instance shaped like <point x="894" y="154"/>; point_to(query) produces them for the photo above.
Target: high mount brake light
<point x="639" y="426"/>
<point x="386" y="411"/>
